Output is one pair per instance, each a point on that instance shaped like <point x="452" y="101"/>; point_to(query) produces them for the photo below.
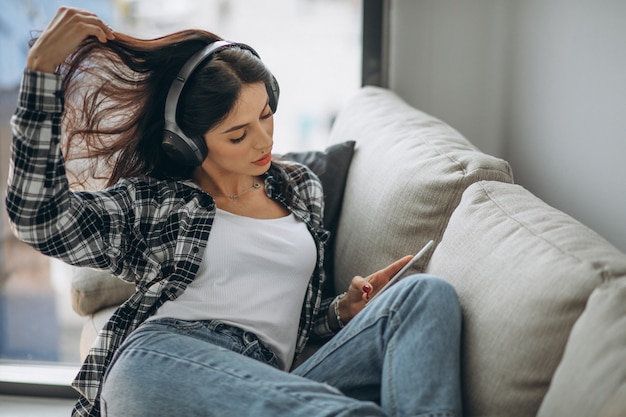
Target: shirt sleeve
<point x="322" y="329"/>
<point x="42" y="210"/>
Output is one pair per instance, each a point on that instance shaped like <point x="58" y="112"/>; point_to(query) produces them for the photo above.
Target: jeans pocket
<point x="256" y="350"/>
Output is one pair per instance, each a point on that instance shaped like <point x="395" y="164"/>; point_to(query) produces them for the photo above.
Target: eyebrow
<point x="234" y="128"/>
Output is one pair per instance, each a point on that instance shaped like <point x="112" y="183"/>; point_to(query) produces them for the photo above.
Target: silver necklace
<point x="234" y="197"/>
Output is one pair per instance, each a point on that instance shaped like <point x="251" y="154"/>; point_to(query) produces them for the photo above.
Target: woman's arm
<point x="42" y="210"/>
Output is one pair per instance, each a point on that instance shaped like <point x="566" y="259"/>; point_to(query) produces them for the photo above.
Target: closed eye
<point x="264" y="116"/>
<point x="241" y="138"/>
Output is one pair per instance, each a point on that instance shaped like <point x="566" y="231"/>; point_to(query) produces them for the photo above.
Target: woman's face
<point x="241" y="145"/>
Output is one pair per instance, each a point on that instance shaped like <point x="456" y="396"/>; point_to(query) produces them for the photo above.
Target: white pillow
<point x="591" y="379"/>
<point x="523" y="271"/>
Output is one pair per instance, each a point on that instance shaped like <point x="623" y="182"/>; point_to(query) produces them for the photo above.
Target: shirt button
<point x="195" y="249"/>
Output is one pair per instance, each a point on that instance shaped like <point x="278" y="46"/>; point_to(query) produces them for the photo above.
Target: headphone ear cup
<point x="273" y="92"/>
<point x="183" y="150"/>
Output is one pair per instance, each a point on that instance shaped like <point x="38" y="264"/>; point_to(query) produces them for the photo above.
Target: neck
<point x="230" y="190"/>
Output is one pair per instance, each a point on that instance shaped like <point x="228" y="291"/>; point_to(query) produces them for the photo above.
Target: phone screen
<point x="406" y="267"/>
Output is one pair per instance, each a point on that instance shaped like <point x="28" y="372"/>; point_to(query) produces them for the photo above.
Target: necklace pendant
<point x="234" y="197"/>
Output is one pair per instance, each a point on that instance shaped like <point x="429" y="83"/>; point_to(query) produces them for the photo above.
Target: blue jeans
<point x="399" y="357"/>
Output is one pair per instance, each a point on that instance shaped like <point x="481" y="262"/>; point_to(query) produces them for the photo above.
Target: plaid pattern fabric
<point x="146" y="231"/>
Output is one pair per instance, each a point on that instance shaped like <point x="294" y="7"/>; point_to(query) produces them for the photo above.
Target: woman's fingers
<point x="61" y="37"/>
<point x="379" y="278"/>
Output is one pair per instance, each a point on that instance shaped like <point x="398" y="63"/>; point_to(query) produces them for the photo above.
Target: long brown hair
<point x="115" y="98"/>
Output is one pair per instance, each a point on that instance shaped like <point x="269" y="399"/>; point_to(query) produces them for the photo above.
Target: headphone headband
<point x="176" y="144"/>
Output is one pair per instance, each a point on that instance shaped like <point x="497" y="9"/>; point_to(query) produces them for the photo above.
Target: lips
<point x="264" y="160"/>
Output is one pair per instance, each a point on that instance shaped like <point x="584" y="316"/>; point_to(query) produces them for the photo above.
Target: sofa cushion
<point x="93" y="290"/>
<point x="407" y="175"/>
<point x="523" y="271"/>
<point x="591" y="378"/>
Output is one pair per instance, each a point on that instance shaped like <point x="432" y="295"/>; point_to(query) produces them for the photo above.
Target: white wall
<point x="447" y="58"/>
<point x="541" y="83"/>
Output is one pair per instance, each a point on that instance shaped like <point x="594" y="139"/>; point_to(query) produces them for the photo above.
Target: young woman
<point x="225" y="246"/>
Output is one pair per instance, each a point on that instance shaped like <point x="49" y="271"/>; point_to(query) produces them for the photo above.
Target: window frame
<point x="375" y="38"/>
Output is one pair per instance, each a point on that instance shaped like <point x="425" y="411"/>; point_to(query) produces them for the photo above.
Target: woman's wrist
<point x="335" y="316"/>
<point x="36" y="62"/>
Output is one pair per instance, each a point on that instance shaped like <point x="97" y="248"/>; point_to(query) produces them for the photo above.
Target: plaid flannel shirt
<point x="146" y="231"/>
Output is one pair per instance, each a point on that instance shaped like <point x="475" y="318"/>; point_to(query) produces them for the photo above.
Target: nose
<point x="264" y="138"/>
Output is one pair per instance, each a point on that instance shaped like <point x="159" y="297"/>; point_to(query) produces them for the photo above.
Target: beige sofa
<point x="543" y="296"/>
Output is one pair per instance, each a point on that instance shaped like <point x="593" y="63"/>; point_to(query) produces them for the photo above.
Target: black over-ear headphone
<point x="178" y="146"/>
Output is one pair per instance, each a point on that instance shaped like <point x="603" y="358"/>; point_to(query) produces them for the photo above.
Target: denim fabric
<point x="402" y="351"/>
<point x="399" y="357"/>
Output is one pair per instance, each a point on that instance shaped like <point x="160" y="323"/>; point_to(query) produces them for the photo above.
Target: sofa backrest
<point x="523" y="270"/>
<point x="408" y="173"/>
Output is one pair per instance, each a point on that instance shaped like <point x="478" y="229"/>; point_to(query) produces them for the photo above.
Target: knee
<point x="439" y="288"/>
<point x="434" y="294"/>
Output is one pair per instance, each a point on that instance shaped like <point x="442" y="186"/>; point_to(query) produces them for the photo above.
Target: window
<point x="313" y="47"/>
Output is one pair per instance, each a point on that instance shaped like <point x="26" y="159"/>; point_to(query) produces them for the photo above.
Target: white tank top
<point x="253" y="275"/>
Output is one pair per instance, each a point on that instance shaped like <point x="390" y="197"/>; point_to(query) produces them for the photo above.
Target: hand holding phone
<point x="406" y="267"/>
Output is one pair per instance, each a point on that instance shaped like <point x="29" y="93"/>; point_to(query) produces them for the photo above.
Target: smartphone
<point x="406" y="267"/>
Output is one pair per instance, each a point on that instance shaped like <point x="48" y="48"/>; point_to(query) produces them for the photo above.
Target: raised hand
<point x="61" y="37"/>
<point x="361" y="290"/>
